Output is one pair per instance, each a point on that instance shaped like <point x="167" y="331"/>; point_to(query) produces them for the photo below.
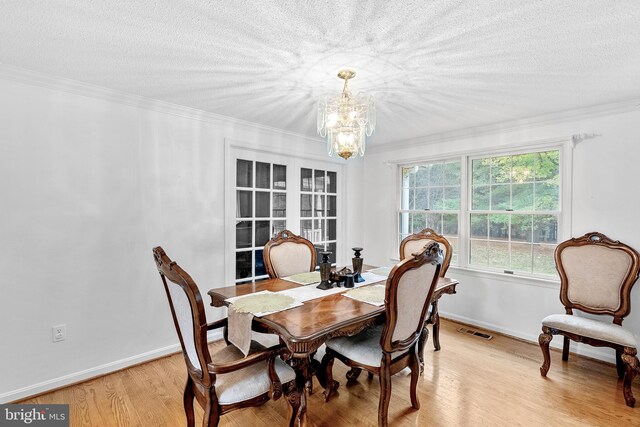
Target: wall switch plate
<point x="59" y="333"/>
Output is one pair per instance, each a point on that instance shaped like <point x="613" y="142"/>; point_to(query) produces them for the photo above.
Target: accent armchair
<point x="596" y="277"/>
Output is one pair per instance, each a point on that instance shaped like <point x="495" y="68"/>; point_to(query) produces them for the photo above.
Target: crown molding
<point x="35" y="78"/>
<point x="47" y="81"/>
<point x="512" y="125"/>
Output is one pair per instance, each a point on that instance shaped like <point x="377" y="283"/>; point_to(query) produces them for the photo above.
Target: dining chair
<point x="386" y="349"/>
<point x="287" y="254"/>
<point x="596" y="277"/>
<point x="225" y="380"/>
<point x="411" y="244"/>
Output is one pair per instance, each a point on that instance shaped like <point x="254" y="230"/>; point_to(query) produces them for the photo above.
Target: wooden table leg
<point x="434" y="319"/>
<point x="422" y="341"/>
<point x="301" y="366"/>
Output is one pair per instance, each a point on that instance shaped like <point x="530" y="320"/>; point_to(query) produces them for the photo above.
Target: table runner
<point x="307" y="293"/>
<point x="242" y="310"/>
<point x="239" y="329"/>
<point x="381" y="271"/>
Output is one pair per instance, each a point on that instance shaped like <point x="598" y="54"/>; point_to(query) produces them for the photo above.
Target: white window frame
<point x="253" y="218"/>
<point x="242" y="150"/>
<point x="437" y="211"/>
<point x="324" y="217"/>
<point x="564" y="145"/>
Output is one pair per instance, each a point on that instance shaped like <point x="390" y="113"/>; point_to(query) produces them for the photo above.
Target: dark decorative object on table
<point x="343" y="277"/>
<point x="357" y="265"/>
<point x="349" y="280"/>
<point x="325" y="272"/>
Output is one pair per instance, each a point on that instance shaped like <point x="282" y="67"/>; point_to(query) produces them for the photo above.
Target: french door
<point x="267" y="193"/>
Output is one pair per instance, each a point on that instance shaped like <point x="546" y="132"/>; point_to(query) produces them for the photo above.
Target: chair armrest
<point x="223" y="368"/>
<point x="217" y="324"/>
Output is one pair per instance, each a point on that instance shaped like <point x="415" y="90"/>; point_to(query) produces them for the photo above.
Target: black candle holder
<point x="325" y="272"/>
<point x="349" y="280"/>
<point x="357" y="265"/>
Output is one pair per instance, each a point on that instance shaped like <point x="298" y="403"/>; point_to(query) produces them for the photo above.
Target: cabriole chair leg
<point x="544" y="339"/>
<point x="631" y="362"/>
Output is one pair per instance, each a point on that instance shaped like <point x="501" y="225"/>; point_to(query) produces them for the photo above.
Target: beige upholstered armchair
<point x="226" y="380"/>
<point x="596" y="277"/>
<point x="387" y="349"/>
<point x="287" y="254"/>
<point x="414" y="243"/>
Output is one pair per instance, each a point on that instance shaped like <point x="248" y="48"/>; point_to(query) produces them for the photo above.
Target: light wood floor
<point x="470" y="382"/>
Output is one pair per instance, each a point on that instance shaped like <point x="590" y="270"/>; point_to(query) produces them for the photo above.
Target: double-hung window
<point x="514" y="212"/>
<point x="500" y="212"/>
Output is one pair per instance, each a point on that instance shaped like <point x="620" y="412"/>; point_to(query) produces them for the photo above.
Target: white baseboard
<point x="107" y="368"/>
<point x="96" y="371"/>
<point x="583" y="350"/>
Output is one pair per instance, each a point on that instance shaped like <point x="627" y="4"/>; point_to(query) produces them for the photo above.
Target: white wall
<point x="605" y="199"/>
<point x="88" y="185"/>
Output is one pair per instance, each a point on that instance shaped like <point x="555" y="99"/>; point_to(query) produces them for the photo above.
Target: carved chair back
<point x="287" y="254"/>
<point x="415" y="242"/>
<point x="596" y="275"/>
<point x="189" y="318"/>
<point x="408" y="293"/>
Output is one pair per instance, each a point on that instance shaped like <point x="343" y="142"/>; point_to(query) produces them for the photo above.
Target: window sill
<point x="503" y="277"/>
<point x="511" y="278"/>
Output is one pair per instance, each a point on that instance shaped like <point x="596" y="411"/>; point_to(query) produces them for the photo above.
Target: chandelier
<point x="345" y="120"/>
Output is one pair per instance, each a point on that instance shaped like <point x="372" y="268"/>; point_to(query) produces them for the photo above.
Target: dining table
<point x="303" y="329"/>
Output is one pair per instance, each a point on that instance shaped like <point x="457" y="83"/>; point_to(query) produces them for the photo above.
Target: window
<point x="261" y="211"/>
<point x="318" y="210"/>
<point x="514" y="213"/>
<point x="506" y="220"/>
<point x="430" y="198"/>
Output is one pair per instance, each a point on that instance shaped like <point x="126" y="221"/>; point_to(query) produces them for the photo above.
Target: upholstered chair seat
<point x="363" y="348"/>
<point x="246" y="383"/>
<point x="591" y="328"/>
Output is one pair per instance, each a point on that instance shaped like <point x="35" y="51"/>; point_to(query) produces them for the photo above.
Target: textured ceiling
<point x="432" y="66"/>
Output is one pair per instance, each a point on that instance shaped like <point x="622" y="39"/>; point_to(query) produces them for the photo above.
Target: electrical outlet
<point x="59" y="333"/>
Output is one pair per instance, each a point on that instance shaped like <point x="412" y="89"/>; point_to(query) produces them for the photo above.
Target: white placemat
<point x="371" y="294"/>
<point x="304" y="278"/>
<point x="295" y="303"/>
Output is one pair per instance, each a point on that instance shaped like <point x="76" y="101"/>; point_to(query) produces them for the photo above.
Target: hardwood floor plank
<point x="470" y="382"/>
